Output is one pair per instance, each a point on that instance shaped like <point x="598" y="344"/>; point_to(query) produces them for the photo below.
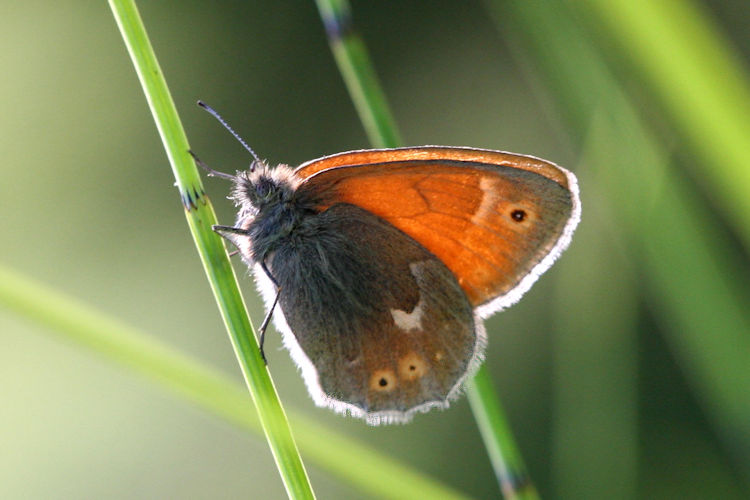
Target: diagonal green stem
<point x="200" y="217"/>
<point x="506" y="460"/>
<point x="359" y="75"/>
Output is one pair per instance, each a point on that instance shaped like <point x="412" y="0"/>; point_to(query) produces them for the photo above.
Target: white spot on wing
<point x="409" y="321"/>
<point x="489" y="201"/>
<point x="312" y="380"/>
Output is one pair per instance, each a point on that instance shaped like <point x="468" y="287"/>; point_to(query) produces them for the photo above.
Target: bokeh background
<point x="606" y="387"/>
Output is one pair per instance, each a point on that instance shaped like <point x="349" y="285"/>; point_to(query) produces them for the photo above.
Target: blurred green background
<point x="618" y="377"/>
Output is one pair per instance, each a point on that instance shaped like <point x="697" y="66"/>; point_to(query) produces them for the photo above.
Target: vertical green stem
<point x="359" y="75"/>
<point x="200" y="217"/>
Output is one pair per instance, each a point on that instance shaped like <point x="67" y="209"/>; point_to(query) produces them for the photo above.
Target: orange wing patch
<point x="489" y="224"/>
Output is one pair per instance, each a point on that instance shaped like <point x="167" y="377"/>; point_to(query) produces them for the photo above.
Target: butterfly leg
<point x="267" y="319"/>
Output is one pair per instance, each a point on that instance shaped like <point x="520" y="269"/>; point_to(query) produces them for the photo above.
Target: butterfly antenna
<point x="231" y="131"/>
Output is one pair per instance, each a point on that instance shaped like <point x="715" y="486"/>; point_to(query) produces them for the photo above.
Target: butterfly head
<point x="262" y="188"/>
<point x="269" y="209"/>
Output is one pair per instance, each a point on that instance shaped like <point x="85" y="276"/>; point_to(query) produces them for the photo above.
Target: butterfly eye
<point x="268" y="190"/>
<point x="262" y="188"/>
<point x="252" y="191"/>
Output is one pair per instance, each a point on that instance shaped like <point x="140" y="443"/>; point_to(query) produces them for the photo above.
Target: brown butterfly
<point x="384" y="262"/>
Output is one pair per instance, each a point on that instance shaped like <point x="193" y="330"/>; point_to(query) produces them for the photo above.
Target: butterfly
<point x="379" y="266"/>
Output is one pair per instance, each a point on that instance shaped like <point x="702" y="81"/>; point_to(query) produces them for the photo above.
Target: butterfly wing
<point x="379" y="327"/>
<point x="496" y="220"/>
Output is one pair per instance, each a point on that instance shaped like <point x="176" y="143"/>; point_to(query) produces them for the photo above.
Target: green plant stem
<point x="355" y="66"/>
<point x="358" y="73"/>
<point x="200" y="217"/>
<point x="374" y="473"/>
<point x="498" y="439"/>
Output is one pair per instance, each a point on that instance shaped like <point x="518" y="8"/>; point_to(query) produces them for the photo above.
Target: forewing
<point x="496" y="220"/>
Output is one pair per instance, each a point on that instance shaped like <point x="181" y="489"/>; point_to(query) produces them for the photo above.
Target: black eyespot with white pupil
<point x="518" y="215"/>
